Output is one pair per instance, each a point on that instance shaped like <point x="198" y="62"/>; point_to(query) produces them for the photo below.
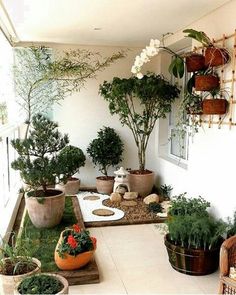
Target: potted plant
<point x="194" y="62"/>
<point x="194" y="236"/>
<point x="105" y="150"/>
<point x="164" y="192"/>
<point x="206" y="80"/>
<point x="43" y="283"/>
<point x="74" y="249"/>
<point x="70" y="158"/>
<point x="216" y="104"/>
<point x="16" y="263"/>
<point x="39" y="167"/>
<point x="139" y="103"/>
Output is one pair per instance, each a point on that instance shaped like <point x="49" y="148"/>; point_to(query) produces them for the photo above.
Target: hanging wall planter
<point x="206" y="82"/>
<point x="216" y="56"/>
<point x="195" y="62"/>
<point x="214" y="106"/>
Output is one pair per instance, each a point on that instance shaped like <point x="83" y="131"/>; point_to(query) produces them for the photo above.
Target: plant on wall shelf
<point x="3" y="112"/>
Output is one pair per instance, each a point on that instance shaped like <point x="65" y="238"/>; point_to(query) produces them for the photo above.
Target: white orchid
<point x="151" y="51"/>
<point x="134" y="69"/>
<point x="144" y="57"/>
<point x="155" y="43"/>
<point x="138" y="61"/>
<point x="139" y="75"/>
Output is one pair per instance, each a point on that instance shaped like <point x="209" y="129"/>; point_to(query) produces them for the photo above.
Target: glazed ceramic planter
<point x="104" y="184"/>
<point x="214" y="106"/>
<point x="216" y="56"/>
<point x="46" y="213"/>
<point x="195" y="62"/>
<point x="141" y="183"/>
<point x="8" y="282"/>
<point x="71" y="187"/>
<point x="206" y="82"/>
<point x="65" y="289"/>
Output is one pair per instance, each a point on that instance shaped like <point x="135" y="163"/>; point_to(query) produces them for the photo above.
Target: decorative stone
<point x="115" y="197"/>
<point x="130" y="195"/>
<point x="103" y="212"/>
<point x="91" y="198"/>
<point x="165" y="205"/>
<point x="153" y="198"/>
<point x="129" y="203"/>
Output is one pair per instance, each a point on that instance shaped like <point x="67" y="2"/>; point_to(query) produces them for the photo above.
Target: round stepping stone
<point x="103" y="212"/>
<point x="128" y="203"/>
<point x="91" y="198"/>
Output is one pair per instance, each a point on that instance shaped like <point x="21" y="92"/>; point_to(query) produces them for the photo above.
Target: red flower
<point x="76" y="228"/>
<point x="72" y="242"/>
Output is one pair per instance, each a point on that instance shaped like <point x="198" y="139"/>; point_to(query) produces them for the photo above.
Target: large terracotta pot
<point x="64" y="282"/>
<point x="71" y="187"/>
<point x="206" y="82"/>
<point x="70" y="262"/>
<point x="104" y="184"/>
<point x="216" y="56"/>
<point x="141" y="183"/>
<point x="195" y="62"/>
<point x="7" y="282"/>
<point x="194" y="262"/>
<point x="46" y="213"/>
<point x="214" y="106"/>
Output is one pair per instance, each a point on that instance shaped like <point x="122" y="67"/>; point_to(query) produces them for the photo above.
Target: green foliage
<point x="165" y="191"/>
<point x="3" y="112"/>
<point x="40" y="284"/>
<point x="232" y="226"/>
<point x="38" y="160"/>
<point x="154" y="207"/>
<point x="139" y="103"/>
<point x="199" y="36"/>
<point x="176" y="66"/>
<point x="106" y="150"/>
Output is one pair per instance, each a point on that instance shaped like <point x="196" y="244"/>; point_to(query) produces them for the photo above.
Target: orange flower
<point x="72" y="242"/>
<point x="76" y="228"/>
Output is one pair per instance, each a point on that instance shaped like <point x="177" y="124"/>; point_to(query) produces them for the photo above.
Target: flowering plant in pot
<point x="194" y="236"/>
<point x="106" y="151"/>
<point x="139" y="103"/>
<point x="70" y="159"/>
<point x="74" y="249"/>
<point x="39" y="167"/>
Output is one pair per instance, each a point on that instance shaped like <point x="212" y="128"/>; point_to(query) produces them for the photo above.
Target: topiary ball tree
<point x="139" y="103"/>
<point x="106" y="150"/>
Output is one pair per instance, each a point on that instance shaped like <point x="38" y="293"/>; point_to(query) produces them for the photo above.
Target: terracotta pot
<point x="48" y="213"/>
<point x="64" y="282"/>
<point x="195" y="62"/>
<point x="71" y="187"/>
<point x="214" y="106"/>
<point x="70" y="262"/>
<point x="7" y="283"/>
<point x="206" y="82"/>
<point x="216" y="56"/>
<point x="141" y="183"/>
<point x="195" y="262"/>
<point x="105" y="184"/>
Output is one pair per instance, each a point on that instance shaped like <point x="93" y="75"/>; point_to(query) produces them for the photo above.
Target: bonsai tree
<point x="39" y="162"/>
<point x="106" y="150"/>
<point x="139" y="103"/>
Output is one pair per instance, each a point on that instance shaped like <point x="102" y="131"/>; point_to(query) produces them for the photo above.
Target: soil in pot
<point x="216" y="56"/>
<point x="45" y="211"/>
<point x="195" y="62"/>
<point x="206" y="82"/>
<point x="141" y="182"/>
<point x="214" y="106"/>
<point x="71" y="187"/>
<point x="105" y="184"/>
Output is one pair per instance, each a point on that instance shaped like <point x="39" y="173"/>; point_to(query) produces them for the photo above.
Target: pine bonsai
<point x="106" y="150"/>
<point x="39" y="162"/>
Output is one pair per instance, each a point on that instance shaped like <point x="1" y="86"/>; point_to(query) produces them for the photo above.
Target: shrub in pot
<point x="106" y="151"/>
<point x="194" y="236"/>
<point x="43" y="283"/>
<point x="214" y="102"/>
<point x="139" y="103"/>
<point x="16" y="263"/>
<point x="70" y="159"/>
<point x="39" y="167"/>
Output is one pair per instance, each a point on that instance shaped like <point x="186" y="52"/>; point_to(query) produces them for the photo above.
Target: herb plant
<point x="154" y="207"/>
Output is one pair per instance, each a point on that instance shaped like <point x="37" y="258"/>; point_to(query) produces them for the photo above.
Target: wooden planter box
<point x="214" y="106"/>
<point x="195" y="62"/>
<point x="190" y="261"/>
<point x="216" y="56"/>
<point x="206" y="82"/>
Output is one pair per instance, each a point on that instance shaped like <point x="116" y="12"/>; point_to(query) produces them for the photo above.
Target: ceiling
<point x="103" y="22"/>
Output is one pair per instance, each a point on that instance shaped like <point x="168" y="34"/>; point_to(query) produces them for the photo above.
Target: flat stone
<point x="91" y="198"/>
<point x="130" y="195"/>
<point x="115" y="197"/>
<point x="153" y="198"/>
<point x="103" y="212"/>
<point x="129" y="203"/>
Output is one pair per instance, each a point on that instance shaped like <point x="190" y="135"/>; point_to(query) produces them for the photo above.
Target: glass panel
<point x="179" y="144"/>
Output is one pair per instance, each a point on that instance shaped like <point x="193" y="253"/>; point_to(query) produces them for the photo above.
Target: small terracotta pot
<point x="104" y="184"/>
<point x="206" y="82"/>
<point x="70" y="262"/>
<point x="214" y="106"/>
<point x="216" y="56"/>
<point x="71" y="187"/>
<point x="195" y="62"/>
<point x="141" y="183"/>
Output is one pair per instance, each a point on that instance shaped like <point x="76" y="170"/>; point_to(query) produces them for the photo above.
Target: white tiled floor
<point x="132" y="259"/>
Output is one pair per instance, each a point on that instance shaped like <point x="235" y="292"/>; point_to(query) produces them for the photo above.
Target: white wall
<point x="212" y="156"/>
